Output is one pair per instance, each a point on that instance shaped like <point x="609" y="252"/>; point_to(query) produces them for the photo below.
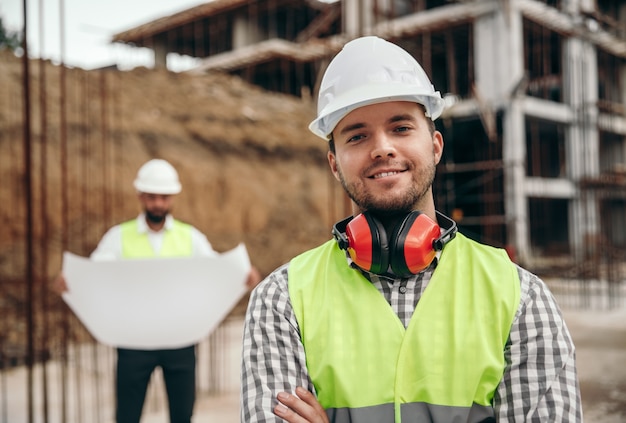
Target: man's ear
<point x="437" y="146"/>
<point x="332" y="162"/>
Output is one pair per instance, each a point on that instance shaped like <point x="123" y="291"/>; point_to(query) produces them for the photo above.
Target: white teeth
<point x="382" y="175"/>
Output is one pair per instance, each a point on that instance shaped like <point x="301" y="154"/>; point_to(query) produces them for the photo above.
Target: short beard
<point x="156" y="218"/>
<point x="389" y="207"/>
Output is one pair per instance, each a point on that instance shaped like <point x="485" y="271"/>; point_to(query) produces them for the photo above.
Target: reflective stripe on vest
<point x="417" y="412"/>
<point x="176" y="241"/>
<point x="445" y="366"/>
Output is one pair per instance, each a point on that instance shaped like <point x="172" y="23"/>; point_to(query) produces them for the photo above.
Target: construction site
<point x="535" y="89"/>
<point x="534" y="162"/>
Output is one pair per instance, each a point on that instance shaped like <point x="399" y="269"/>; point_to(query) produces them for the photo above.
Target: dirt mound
<point x="250" y="169"/>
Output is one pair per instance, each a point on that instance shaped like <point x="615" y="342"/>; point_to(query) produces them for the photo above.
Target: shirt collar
<point x="142" y="225"/>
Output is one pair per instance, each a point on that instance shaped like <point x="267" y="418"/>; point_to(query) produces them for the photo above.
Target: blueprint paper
<point x="155" y="303"/>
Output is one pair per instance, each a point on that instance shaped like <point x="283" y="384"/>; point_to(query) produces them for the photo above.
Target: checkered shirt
<point x="539" y="384"/>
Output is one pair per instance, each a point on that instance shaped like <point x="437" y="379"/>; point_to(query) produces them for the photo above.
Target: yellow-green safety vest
<point x="176" y="241"/>
<point x="444" y="367"/>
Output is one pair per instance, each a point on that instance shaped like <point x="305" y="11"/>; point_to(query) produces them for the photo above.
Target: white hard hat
<point x="157" y="176"/>
<point x="370" y="70"/>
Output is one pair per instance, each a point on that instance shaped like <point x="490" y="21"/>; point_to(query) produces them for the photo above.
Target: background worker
<point x="154" y="233"/>
<point x="400" y="318"/>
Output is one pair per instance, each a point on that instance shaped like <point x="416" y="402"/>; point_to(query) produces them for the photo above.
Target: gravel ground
<point x="600" y="339"/>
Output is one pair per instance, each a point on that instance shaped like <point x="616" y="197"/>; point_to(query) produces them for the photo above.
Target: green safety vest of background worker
<point x="154" y="233"/>
<point x="400" y="318"/>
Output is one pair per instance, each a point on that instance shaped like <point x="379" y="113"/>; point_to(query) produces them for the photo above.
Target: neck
<point x="389" y="219"/>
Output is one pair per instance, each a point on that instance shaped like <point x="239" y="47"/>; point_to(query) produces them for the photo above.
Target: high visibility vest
<point x="444" y="367"/>
<point x="176" y="241"/>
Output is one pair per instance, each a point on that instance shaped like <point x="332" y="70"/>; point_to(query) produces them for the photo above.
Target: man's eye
<point x="355" y="138"/>
<point x="402" y="129"/>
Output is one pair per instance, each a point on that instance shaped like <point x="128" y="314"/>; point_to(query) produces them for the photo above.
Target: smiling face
<point x="385" y="158"/>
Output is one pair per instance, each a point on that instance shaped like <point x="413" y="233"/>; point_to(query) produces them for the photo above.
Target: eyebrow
<point x="395" y="118"/>
<point x="351" y="128"/>
<point x="398" y="118"/>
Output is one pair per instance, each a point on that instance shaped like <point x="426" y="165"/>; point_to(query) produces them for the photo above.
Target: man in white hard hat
<point x="154" y="233"/>
<point x="400" y="318"/>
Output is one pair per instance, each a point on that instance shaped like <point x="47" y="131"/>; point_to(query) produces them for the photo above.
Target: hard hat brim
<point x="324" y="125"/>
<point x="160" y="190"/>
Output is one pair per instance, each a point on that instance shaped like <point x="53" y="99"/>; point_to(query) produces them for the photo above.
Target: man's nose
<point x="159" y="201"/>
<point x="383" y="146"/>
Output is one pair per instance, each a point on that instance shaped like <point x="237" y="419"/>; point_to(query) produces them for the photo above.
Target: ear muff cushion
<point x="367" y="243"/>
<point x="412" y="244"/>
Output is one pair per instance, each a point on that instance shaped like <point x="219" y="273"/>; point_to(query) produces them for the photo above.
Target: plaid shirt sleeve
<point x="273" y="357"/>
<point x="540" y="383"/>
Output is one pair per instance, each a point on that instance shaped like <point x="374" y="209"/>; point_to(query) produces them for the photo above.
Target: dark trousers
<point x="134" y="368"/>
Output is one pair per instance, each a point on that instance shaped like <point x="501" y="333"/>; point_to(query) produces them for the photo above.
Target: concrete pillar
<point x="245" y="33"/>
<point x="622" y="77"/>
<point x="498" y="51"/>
<point x="160" y="56"/>
<point x="515" y="199"/>
<point x="240" y="32"/>
<point x="622" y="68"/>
<point x="358" y="17"/>
<point x="580" y="86"/>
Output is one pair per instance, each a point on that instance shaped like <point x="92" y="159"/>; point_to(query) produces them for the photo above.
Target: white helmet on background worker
<point x="370" y="70"/>
<point x="157" y="176"/>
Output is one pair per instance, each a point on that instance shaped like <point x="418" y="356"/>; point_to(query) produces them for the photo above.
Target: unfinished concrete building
<point x="535" y="128"/>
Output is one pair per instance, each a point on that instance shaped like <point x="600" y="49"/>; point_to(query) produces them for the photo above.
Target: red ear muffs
<point x="412" y="245"/>
<point x="367" y="243"/>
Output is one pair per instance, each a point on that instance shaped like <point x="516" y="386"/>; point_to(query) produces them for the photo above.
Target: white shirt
<point x="110" y="246"/>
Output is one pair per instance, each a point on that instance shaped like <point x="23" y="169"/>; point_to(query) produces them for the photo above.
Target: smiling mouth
<point x="384" y="174"/>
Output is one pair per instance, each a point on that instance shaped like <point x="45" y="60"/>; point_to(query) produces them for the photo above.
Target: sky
<point x="89" y="28"/>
